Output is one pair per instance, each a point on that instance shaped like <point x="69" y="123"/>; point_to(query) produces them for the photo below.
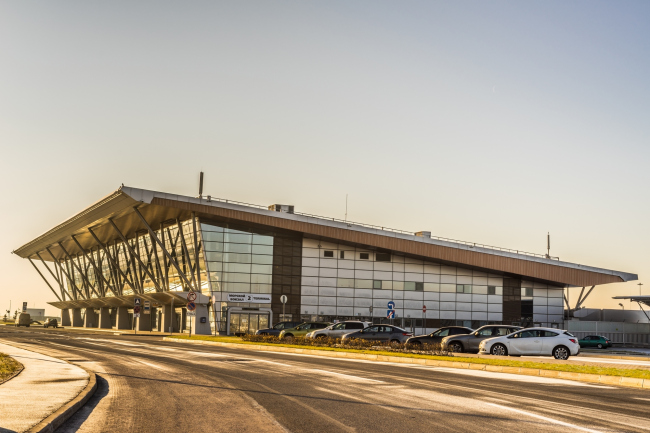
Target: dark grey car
<point x="383" y="333"/>
<point x="279" y="327"/>
<point x="469" y="343"/>
<point x="438" y="335"/>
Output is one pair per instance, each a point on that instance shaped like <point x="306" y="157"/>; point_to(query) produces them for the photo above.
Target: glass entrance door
<point x="248" y="323"/>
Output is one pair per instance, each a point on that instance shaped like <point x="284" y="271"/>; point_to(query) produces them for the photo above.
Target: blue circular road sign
<point x="391" y="305"/>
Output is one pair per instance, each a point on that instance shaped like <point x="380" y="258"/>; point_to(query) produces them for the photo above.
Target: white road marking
<point x="517" y="377"/>
<point x="641" y="398"/>
<point x="544" y="418"/>
<point x="150" y="364"/>
<point x="347" y="376"/>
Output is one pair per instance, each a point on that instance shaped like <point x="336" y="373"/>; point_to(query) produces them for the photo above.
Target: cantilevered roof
<point x="641" y="299"/>
<point x="158" y="207"/>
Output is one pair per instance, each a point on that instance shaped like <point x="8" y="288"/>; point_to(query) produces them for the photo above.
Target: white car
<point x="533" y="342"/>
<point x="338" y="330"/>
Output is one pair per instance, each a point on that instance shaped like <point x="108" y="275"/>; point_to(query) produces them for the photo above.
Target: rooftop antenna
<point x="548" y="245"/>
<point x="201" y="185"/>
<point x="346" y="208"/>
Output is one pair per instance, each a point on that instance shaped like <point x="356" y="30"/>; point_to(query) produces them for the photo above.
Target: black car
<point x="437" y="336"/>
<point x="279" y="327"/>
<point x="50" y="322"/>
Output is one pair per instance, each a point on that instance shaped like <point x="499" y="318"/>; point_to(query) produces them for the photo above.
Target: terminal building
<point x="240" y="259"/>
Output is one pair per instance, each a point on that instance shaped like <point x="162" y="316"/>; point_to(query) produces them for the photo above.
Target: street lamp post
<point x="640" y="284"/>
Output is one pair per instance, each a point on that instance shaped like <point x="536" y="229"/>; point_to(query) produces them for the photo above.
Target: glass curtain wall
<point x="238" y="261"/>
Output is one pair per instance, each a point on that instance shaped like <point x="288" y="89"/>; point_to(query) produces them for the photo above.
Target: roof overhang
<point x="640" y="299"/>
<point x="161" y="298"/>
<point x="158" y="207"/>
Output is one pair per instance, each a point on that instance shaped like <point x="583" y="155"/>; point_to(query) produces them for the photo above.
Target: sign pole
<point x="172" y="318"/>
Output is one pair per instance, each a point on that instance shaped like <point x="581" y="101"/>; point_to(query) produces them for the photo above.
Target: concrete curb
<point x="54" y="421"/>
<point x="580" y="377"/>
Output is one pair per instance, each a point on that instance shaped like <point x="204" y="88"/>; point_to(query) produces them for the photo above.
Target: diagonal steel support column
<point x="197" y="249"/>
<point x="58" y="280"/>
<point x="94" y="265"/>
<point x="83" y="274"/>
<point x="162" y="247"/>
<point x="76" y="290"/>
<point x="582" y="300"/>
<point x="44" y="279"/>
<point x="186" y="252"/>
<point x="113" y="260"/>
<point x="137" y="256"/>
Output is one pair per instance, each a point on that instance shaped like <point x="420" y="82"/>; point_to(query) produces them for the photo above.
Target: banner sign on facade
<point x="256" y="298"/>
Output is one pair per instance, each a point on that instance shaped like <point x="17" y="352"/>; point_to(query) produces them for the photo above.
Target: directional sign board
<point x="191" y="306"/>
<point x="283" y="299"/>
<point x="391" y="305"/>
<point x="191" y="296"/>
<point x="390" y="314"/>
<point x="147" y="307"/>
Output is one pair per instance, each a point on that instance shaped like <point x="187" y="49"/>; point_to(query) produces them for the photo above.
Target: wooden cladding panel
<point x="525" y="268"/>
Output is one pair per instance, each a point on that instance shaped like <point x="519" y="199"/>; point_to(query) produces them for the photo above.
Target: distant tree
<point x="15" y="314"/>
<point x="4" y="318"/>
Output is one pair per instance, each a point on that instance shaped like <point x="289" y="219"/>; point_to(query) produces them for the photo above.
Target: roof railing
<point x="383" y="228"/>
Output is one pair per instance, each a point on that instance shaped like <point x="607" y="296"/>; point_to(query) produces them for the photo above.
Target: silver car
<point x="338" y="330"/>
<point x="382" y="333"/>
<point x="469" y="343"/>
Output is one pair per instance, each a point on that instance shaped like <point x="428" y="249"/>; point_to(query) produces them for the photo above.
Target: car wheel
<point x="600" y="346"/>
<point x="394" y="343"/>
<point x="288" y="337"/>
<point x="561" y="352"/>
<point x="320" y="337"/>
<point x="499" y="350"/>
<point x="416" y="344"/>
<point x="456" y="347"/>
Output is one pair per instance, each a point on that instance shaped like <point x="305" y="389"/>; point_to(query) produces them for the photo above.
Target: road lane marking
<point x="348" y="376"/>
<point x="544" y="418"/>
<point x="518" y="377"/>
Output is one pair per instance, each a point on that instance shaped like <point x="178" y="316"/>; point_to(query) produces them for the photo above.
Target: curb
<point x="630" y="382"/>
<point x="54" y="421"/>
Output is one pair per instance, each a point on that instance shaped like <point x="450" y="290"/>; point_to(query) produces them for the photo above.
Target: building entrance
<point x="248" y="323"/>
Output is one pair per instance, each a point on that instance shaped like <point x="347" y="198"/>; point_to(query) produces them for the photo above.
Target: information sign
<point x="283" y="299"/>
<point x="24" y="307"/>
<point x="256" y="298"/>
<point x="147" y="307"/>
<point x="191" y="313"/>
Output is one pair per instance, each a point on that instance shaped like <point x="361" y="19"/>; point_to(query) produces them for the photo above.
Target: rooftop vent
<point x="281" y="208"/>
<point x="423" y="234"/>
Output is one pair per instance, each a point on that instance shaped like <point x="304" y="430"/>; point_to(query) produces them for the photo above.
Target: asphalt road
<point x="148" y="385"/>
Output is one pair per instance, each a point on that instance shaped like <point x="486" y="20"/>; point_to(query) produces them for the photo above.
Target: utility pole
<point x="640" y="284"/>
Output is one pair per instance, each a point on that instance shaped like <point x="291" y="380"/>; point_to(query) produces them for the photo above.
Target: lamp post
<point x="640" y="284"/>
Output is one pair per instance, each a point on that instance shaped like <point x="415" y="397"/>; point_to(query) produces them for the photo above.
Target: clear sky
<point x="493" y="122"/>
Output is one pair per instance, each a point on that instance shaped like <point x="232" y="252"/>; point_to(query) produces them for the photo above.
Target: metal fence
<point x="632" y="334"/>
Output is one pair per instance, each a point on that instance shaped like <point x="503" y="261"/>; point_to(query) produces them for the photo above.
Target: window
<point x="485" y="332"/>
<point x="527" y="292"/>
<point x="339" y="326"/>
<point x="382" y="257"/>
<point x="354" y="325"/>
<point x="409" y="285"/>
<point x="364" y="256"/>
<point x="328" y="253"/>
<point x="376" y="284"/>
<point x="342" y="254"/>
<point x="441" y="333"/>
<point x="492" y="290"/>
<point x="371" y="329"/>
<point x="463" y="288"/>
<point x="503" y="331"/>
<point x="549" y="334"/>
<point x="419" y="287"/>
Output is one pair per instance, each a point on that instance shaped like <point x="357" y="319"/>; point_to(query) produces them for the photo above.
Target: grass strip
<point x="570" y="368"/>
<point x="8" y="366"/>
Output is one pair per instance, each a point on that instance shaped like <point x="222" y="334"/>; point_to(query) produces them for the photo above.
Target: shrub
<point x="353" y="343"/>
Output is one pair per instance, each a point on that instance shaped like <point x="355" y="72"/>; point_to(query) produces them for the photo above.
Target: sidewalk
<point x="44" y="386"/>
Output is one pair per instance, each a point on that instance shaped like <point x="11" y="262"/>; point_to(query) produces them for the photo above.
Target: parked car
<point x="338" y="329"/>
<point x="533" y="341"/>
<point x="595" y="341"/>
<point x="50" y="322"/>
<point x="23" y="319"/>
<point x="302" y="329"/>
<point x="469" y="343"/>
<point x="438" y="335"/>
<point x="384" y="333"/>
<point x="277" y="328"/>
